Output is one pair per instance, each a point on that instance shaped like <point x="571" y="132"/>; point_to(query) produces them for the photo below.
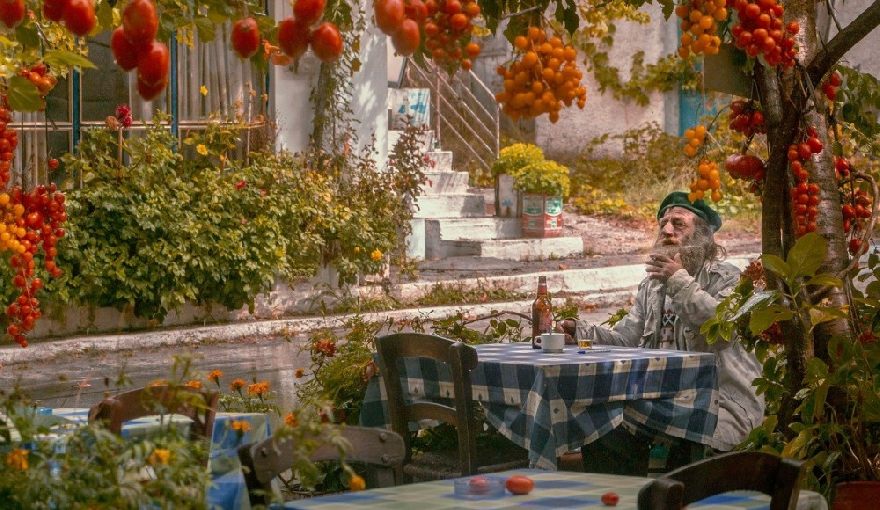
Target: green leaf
<point x="26" y="34"/>
<point x="825" y="280"/>
<point x="777" y="265"/>
<point x="64" y="58"/>
<point x="206" y="28"/>
<point x="807" y="254"/>
<point x="763" y="319"/>
<point x="757" y="299"/>
<point x="23" y="95"/>
<point x="820" y="314"/>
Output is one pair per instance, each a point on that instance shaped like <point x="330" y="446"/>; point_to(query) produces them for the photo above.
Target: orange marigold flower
<point x="159" y="456"/>
<point x="240" y="426"/>
<point x="291" y="420"/>
<point x="18" y="459"/>
<point x="215" y="376"/>
<point x="259" y="388"/>
<point x="237" y="384"/>
<point x="357" y="483"/>
<point x="194" y="384"/>
<point x="158" y="382"/>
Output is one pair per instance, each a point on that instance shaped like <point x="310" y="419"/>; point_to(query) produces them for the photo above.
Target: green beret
<point x="699" y="207"/>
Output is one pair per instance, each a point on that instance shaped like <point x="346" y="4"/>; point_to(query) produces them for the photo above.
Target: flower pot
<point x="859" y="495"/>
<point x="541" y="216"/>
<point x="507" y="199"/>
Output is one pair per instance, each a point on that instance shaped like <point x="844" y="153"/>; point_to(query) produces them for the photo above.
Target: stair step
<point x="453" y="205"/>
<point x="442" y="161"/>
<point x="426" y="145"/>
<point x="445" y="183"/>
<point x="515" y="249"/>
<point x="453" y="229"/>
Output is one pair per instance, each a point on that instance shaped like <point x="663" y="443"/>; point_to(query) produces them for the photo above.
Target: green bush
<point x="514" y="157"/>
<point x="543" y="178"/>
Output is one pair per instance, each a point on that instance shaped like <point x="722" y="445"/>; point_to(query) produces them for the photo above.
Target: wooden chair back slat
<point x="756" y="471"/>
<point x="381" y="450"/>
<point x="461" y="359"/>
<point x="200" y="406"/>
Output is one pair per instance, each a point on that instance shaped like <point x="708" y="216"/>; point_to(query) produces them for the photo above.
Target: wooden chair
<point x="755" y="471"/>
<point x="200" y="406"/>
<point x="461" y="359"/>
<point x="381" y="450"/>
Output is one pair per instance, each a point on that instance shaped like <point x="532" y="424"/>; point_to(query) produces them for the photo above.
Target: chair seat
<point x="444" y="465"/>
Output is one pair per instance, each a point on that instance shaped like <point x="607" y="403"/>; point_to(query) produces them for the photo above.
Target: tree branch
<point x="863" y="25"/>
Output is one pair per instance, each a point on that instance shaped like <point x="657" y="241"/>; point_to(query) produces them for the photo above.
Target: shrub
<point x="514" y="157"/>
<point x="543" y="178"/>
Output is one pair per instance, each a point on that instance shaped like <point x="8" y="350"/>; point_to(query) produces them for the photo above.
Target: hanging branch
<point x="863" y="25"/>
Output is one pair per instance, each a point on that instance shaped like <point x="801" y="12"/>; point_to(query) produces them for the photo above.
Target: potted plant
<point x="835" y="426"/>
<point x="544" y="185"/>
<point x="510" y="160"/>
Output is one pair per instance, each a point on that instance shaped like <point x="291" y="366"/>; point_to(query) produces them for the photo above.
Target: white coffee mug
<point x="553" y="342"/>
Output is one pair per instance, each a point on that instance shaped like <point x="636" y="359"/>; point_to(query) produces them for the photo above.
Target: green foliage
<point x="543" y="178"/>
<point x="860" y="98"/>
<point x="442" y="294"/>
<point x="513" y="158"/>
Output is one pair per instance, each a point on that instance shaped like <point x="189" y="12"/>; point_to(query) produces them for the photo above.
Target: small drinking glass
<point x="584" y="344"/>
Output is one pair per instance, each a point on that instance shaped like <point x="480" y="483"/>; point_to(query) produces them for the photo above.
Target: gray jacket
<point x="694" y="301"/>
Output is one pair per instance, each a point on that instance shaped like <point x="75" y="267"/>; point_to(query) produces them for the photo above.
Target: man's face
<point x="676" y="227"/>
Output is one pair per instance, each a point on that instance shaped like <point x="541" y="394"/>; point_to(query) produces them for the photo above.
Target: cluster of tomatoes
<point x="38" y="74"/>
<point x="746" y="167"/>
<point x="695" y="137"/>
<point x="708" y="181"/>
<point x="8" y="144"/>
<point x="831" y="84"/>
<point x="542" y="77"/>
<point x="856" y="209"/>
<point x="403" y="21"/>
<point x="699" y="28"/>
<point x="448" y="30"/>
<point x="804" y="194"/>
<point x="78" y="15"/>
<point x="134" y="45"/>
<point x="746" y="119"/>
<point x="296" y="33"/>
<point x="759" y="31"/>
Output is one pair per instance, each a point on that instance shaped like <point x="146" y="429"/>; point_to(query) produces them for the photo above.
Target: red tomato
<point x="478" y="485"/>
<point x="54" y="9"/>
<point x="12" y="12"/>
<point x="79" y="17"/>
<point x="140" y="22"/>
<point x="149" y="91"/>
<point x="406" y="40"/>
<point x="327" y="42"/>
<point x="610" y="499"/>
<point x="519" y="484"/>
<point x="389" y="15"/>
<point x="124" y="52"/>
<point x="245" y="37"/>
<point x="293" y="37"/>
<point x="416" y="10"/>
<point x="153" y="64"/>
<point x="308" y="11"/>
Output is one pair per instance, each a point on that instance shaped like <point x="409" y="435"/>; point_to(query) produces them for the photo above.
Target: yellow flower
<point x="239" y="426"/>
<point x="159" y="456"/>
<point x="203" y="90"/>
<point x="215" y="375"/>
<point x="201" y="149"/>
<point x="17" y="459"/>
<point x="376" y="255"/>
<point x="194" y="384"/>
<point x="291" y="420"/>
<point x="357" y="483"/>
<point x="259" y="389"/>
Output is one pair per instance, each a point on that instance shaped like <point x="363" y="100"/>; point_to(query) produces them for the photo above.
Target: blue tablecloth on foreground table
<point x="227" y="489"/>
<point x="552" y="403"/>
<point x="558" y="489"/>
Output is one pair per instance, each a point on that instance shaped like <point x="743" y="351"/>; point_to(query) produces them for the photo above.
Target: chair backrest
<point x="198" y="405"/>
<point x="755" y="471"/>
<point x="381" y="450"/>
<point x="461" y="359"/>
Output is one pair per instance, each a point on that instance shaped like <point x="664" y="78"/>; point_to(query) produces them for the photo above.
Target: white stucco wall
<point x="290" y="93"/>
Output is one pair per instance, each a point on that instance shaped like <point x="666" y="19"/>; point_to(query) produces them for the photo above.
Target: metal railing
<point x="465" y="115"/>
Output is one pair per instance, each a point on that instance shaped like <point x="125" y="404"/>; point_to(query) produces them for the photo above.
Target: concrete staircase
<point x="453" y="220"/>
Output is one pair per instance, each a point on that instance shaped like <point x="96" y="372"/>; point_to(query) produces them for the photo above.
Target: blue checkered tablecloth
<point x="228" y="490"/>
<point x="552" y="403"/>
<point x="559" y="489"/>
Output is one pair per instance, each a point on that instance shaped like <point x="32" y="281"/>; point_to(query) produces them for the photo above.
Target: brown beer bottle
<point x="542" y="313"/>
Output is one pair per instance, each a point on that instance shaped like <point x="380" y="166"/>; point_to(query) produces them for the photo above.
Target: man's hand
<point x="661" y="267"/>
<point x="568" y="327"/>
